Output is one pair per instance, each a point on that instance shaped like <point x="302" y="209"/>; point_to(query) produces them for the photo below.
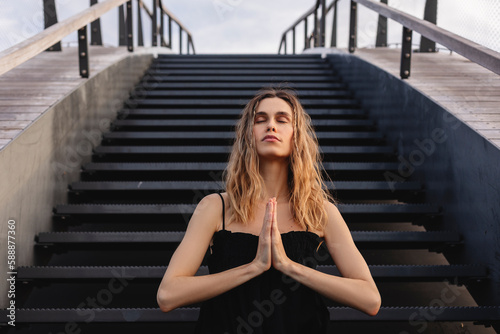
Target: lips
<point x="270" y="137"/>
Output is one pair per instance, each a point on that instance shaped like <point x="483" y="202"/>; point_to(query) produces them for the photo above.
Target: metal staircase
<point x="101" y="266"/>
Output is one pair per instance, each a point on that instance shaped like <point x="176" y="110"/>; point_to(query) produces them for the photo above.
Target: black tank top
<point x="269" y="303"/>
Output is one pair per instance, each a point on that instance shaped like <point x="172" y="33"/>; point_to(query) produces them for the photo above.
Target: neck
<point x="275" y="175"/>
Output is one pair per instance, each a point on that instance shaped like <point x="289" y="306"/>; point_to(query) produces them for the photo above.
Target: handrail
<point x="473" y="51"/>
<point x="175" y="19"/>
<point x="31" y="47"/>
<point x="319" y="36"/>
<point x="181" y="27"/>
<point x="24" y="51"/>
<point x="303" y="17"/>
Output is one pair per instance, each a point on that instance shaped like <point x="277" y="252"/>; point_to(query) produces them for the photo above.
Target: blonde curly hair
<point x="244" y="184"/>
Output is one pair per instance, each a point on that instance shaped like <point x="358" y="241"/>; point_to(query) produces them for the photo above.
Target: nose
<point x="271" y="126"/>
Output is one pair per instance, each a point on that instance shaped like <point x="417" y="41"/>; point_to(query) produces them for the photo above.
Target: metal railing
<point x="318" y="32"/>
<point x="50" y="38"/>
<point x="475" y="52"/>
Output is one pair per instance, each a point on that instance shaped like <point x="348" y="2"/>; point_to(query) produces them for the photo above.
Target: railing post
<point x="155" y="23"/>
<point x="170" y="32"/>
<point x="293" y="41"/>
<point x="316" y="42"/>
<point x="50" y="18"/>
<point x="381" y="29"/>
<point x="83" y="52"/>
<point x="322" y="36"/>
<point x="130" y="34"/>
<point x="284" y="43"/>
<point x="180" y="40"/>
<point x="122" y="40"/>
<point x="140" y="33"/>
<point x="192" y="44"/>
<point x="333" y="42"/>
<point x="162" y="28"/>
<point x="353" y="26"/>
<point x="95" y="29"/>
<point x="306" y="38"/>
<point x="430" y="14"/>
<point x="406" y="53"/>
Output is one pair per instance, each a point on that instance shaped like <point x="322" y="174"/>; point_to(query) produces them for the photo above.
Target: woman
<point x="264" y="250"/>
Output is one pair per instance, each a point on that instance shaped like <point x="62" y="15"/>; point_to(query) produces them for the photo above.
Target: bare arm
<point x="355" y="289"/>
<point x="180" y="287"/>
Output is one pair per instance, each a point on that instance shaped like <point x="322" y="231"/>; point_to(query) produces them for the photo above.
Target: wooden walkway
<point x="467" y="90"/>
<point x="33" y="87"/>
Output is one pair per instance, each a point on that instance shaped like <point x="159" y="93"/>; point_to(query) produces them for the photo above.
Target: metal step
<point x="233" y="94"/>
<point x="402" y="211"/>
<point x="484" y="314"/>
<point x="239" y="72"/>
<point x="232" y="112"/>
<point x="219" y="166"/>
<point x="275" y="79"/>
<point x="365" y="239"/>
<point x="414" y="273"/>
<point x="238" y="65"/>
<point x="167" y="103"/>
<point x="226" y="136"/>
<point x="227" y="149"/>
<point x="238" y="85"/>
<point x="153" y="171"/>
<point x="141" y="186"/>
<point x="210" y="123"/>
<point x="241" y="57"/>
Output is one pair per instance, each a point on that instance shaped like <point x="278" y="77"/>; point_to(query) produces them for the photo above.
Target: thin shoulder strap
<point x="223" y="212"/>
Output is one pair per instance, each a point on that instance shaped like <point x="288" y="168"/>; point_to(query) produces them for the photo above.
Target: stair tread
<point x="230" y="135"/>
<point x="240" y="85"/>
<point x="175" y="237"/>
<point x="187" y="185"/>
<point x="240" y="71"/>
<point x="235" y="65"/>
<point x="127" y="315"/>
<point x="267" y="80"/>
<point x="227" y="149"/>
<point x="212" y="166"/>
<point x="415" y="272"/>
<point x="234" y="112"/>
<point x="247" y="94"/>
<point x="230" y="122"/>
<point x="189" y="208"/>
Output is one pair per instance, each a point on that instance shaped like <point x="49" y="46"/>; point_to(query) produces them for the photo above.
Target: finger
<point x="267" y="217"/>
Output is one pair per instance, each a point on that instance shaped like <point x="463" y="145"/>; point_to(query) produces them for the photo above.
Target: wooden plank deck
<point x="30" y="89"/>
<point x="467" y="90"/>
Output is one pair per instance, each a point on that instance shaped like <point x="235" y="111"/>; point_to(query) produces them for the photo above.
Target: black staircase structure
<point x="100" y="268"/>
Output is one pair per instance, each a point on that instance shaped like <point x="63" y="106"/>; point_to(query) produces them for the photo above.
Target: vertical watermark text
<point x="11" y="273"/>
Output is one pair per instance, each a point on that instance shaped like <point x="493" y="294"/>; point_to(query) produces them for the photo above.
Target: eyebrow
<point x="279" y="113"/>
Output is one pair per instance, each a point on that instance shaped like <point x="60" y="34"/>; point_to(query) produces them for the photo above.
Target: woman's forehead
<point x="273" y="105"/>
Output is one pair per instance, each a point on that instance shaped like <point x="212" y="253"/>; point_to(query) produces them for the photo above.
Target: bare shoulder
<point x="335" y="223"/>
<point x="208" y="211"/>
<point x="331" y="209"/>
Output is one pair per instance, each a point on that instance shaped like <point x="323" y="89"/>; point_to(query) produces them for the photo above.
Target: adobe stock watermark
<point x="425" y="148"/>
<point x="423" y="316"/>
<point x="92" y="304"/>
<point x="265" y="308"/>
<point x="225" y="8"/>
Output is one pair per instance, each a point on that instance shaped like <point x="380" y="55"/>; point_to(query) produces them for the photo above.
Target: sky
<point x="256" y="26"/>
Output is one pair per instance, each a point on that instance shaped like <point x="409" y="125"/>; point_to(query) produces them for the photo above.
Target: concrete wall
<point x="37" y="166"/>
<point x="460" y="168"/>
